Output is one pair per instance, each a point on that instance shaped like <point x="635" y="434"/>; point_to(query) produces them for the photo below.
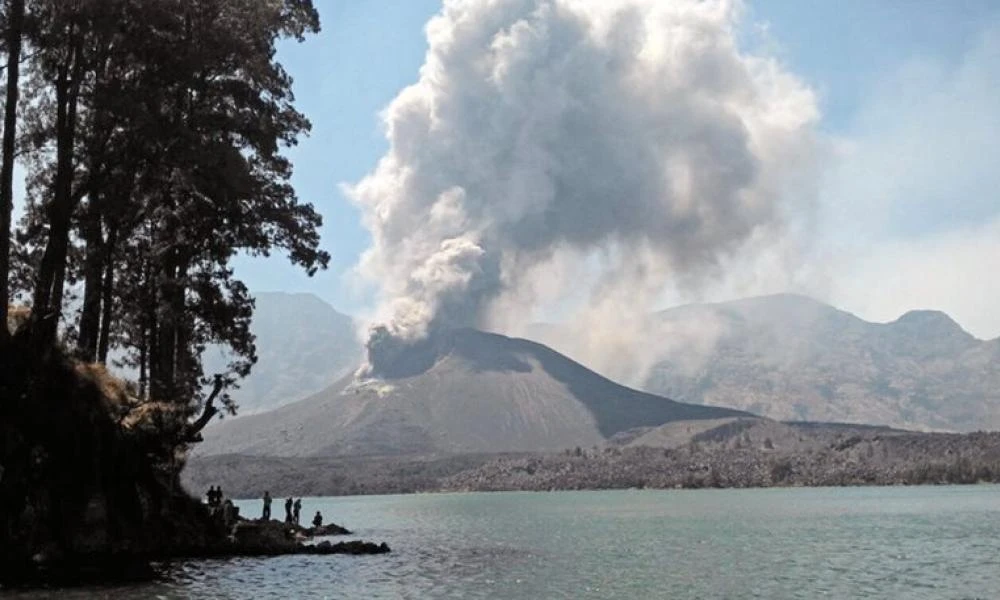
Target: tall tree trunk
<point x="143" y="361"/>
<point x="185" y="365"/>
<point x="153" y="351"/>
<point x="169" y="338"/>
<point x="147" y="333"/>
<point x="51" y="278"/>
<point x="148" y="356"/>
<point x="14" y="25"/>
<point x="46" y="271"/>
<point x="107" y="298"/>
<point x="90" y="313"/>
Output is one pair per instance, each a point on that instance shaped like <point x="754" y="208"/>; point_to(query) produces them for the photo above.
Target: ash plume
<point x="632" y="140"/>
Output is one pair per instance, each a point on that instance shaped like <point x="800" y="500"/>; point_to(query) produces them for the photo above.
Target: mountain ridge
<point x="481" y="392"/>
<point x="784" y="356"/>
<point x="791" y="357"/>
<point x="303" y="345"/>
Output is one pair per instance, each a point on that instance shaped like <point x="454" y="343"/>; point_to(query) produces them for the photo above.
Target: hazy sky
<point x="908" y="209"/>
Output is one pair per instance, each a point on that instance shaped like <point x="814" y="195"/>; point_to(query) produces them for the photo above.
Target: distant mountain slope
<point x="303" y="345"/>
<point x="792" y="358"/>
<point x="479" y="392"/>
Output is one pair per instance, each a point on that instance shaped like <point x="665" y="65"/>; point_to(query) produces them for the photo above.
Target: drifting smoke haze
<point x="555" y="145"/>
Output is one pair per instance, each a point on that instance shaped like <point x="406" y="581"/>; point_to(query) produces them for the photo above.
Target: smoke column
<point x="544" y="133"/>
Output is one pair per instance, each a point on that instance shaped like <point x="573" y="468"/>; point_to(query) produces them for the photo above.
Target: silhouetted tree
<point x="153" y="138"/>
<point x="14" y="22"/>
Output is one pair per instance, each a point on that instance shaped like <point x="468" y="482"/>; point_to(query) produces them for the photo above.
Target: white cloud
<point x="634" y="137"/>
<point x="909" y="203"/>
<point x="907" y="216"/>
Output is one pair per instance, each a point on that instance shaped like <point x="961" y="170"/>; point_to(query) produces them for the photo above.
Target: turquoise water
<point x="915" y="542"/>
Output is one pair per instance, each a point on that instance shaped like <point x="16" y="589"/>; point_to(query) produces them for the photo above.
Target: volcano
<point x="460" y="391"/>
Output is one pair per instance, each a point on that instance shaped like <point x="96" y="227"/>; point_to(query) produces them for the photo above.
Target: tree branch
<point x="193" y="433"/>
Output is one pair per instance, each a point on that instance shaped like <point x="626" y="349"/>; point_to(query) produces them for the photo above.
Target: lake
<point x="901" y="542"/>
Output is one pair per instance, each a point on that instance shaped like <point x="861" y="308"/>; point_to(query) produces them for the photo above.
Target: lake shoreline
<point x="921" y="542"/>
<point x="448" y="492"/>
<point x="249" y="538"/>
<point x="734" y="456"/>
<point x="89" y="483"/>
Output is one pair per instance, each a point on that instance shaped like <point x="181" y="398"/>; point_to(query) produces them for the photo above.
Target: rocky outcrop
<point x="250" y="533"/>
<point x="90" y="488"/>
<point x="77" y="485"/>
<point x="325" y="530"/>
<point x="275" y="538"/>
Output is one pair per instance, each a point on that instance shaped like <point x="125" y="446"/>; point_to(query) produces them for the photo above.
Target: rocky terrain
<point x="729" y="452"/>
<point x="749" y="453"/>
<point x="790" y="357"/>
<point x="254" y="537"/>
<point x="468" y="392"/>
<point x="480" y="411"/>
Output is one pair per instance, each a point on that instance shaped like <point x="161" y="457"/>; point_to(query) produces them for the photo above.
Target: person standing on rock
<point x="288" y="510"/>
<point x="318" y="520"/>
<point x="296" y="509"/>
<point x="267" y="507"/>
<point x="228" y="513"/>
<point x="215" y="496"/>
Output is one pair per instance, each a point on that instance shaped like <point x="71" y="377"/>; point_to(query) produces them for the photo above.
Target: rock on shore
<point x="266" y="538"/>
<point x="89" y="482"/>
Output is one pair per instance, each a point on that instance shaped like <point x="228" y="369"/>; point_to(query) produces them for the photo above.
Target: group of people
<point x="214" y="496"/>
<point x="293" y="508"/>
<point x="218" y="504"/>
<point x="292" y="511"/>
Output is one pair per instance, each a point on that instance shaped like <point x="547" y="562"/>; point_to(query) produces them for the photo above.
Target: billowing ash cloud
<point x="545" y="131"/>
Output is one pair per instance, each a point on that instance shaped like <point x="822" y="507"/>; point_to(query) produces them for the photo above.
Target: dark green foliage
<point x="152" y="132"/>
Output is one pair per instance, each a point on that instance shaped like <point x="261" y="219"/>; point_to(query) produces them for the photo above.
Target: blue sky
<point x="876" y="66"/>
<point x="844" y="48"/>
<point x="366" y="52"/>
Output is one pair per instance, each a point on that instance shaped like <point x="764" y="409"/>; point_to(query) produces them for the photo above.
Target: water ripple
<point x="916" y="542"/>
